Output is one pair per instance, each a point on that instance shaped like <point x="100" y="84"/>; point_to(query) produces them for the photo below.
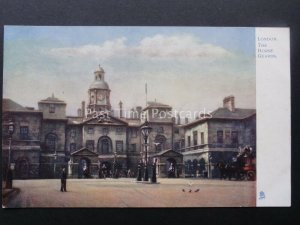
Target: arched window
<point x="160" y="142"/>
<point x="188" y="168"/>
<point x="104" y="145"/>
<point x="51" y="140"/>
<point x="202" y="164"/>
<point x="22" y="168"/>
<point x="195" y="167"/>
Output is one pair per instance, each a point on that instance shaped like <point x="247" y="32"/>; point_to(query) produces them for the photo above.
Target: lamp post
<point x="139" y="176"/>
<point x="146" y="129"/>
<point x="209" y="165"/>
<point x="114" y="165"/>
<point x="9" y="176"/>
<point x="55" y="157"/>
<point x="153" y="179"/>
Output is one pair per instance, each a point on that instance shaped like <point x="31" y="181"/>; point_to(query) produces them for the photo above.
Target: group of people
<point x="105" y="172"/>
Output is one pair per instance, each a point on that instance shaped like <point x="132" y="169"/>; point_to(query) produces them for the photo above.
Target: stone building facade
<point x="52" y="136"/>
<point x="218" y="138"/>
<point x="47" y="139"/>
<point x="25" y="148"/>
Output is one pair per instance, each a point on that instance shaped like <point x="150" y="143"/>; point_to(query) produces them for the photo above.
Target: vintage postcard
<point x="145" y="117"/>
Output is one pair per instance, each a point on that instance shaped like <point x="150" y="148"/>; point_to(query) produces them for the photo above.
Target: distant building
<point x="217" y="139"/>
<point x="47" y="139"/>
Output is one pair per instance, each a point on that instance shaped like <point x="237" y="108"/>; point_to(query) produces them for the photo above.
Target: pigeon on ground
<point x="183" y="190"/>
<point x="190" y="183"/>
<point x="190" y="190"/>
<point x="197" y="190"/>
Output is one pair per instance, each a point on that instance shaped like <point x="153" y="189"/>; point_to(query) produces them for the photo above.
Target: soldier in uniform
<point x="63" y="178"/>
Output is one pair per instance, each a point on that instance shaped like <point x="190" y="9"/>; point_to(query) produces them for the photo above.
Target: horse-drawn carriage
<point x="242" y="167"/>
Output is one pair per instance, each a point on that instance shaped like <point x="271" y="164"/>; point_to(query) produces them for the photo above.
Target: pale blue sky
<point x="190" y="68"/>
<point x="237" y="39"/>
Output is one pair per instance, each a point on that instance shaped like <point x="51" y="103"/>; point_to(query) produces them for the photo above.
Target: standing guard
<point x="63" y="179"/>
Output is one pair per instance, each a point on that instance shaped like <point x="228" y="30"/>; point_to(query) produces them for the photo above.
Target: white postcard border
<point x="273" y="117"/>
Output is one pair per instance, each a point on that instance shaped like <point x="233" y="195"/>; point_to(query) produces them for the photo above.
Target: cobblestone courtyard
<point x="127" y="193"/>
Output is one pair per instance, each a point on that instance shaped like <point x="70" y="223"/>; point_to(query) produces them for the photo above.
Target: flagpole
<point x="146" y="94"/>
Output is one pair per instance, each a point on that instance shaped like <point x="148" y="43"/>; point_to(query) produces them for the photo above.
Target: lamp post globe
<point x="11" y="128"/>
<point x="146" y="130"/>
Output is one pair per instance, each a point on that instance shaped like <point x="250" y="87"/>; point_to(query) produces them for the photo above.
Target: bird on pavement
<point x="197" y="190"/>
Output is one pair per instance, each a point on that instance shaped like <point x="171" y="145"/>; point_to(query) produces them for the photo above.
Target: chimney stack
<point x="178" y="119"/>
<point x="228" y="102"/>
<point x="121" y="109"/>
<point x="132" y="116"/>
<point x="79" y="113"/>
<point x="83" y="109"/>
<point x="139" y="111"/>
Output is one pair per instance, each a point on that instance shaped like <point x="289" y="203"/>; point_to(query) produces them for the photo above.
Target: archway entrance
<point x="195" y="168"/>
<point x="84" y="168"/>
<point x="188" y="168"/>
<point x="22" y="169"/>
<point x="202" y="166"/>
<point x="171" y="167"/>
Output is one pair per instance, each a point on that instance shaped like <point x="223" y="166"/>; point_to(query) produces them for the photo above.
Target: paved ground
<point x="126" y="192"/>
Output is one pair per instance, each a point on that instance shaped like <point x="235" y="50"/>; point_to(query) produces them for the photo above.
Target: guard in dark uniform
<point x="63" y="179"/>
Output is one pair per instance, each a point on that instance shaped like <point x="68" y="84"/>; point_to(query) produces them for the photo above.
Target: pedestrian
<point x="100" y="173"/>
<point x="171" y="171"/>
<point x="63" y="178"/>
<point x="153" y="179"/>
<point x="129" y="173"/>
<point x="104" y="171"/>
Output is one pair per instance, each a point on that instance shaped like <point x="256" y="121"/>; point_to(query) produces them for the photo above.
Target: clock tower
<point x="99" y="94"/>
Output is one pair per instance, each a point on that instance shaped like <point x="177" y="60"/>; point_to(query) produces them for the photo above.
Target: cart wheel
<point x="241" y="176"/>
<point x="251" y="175"/>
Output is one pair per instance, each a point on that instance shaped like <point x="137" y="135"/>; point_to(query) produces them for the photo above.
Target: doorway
<point x="84" y="168"/>
<point x="171" y="168"/>
<point x="22" y="169"/>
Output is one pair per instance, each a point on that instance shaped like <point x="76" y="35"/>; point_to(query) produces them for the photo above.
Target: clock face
<point x="101" y="97"/>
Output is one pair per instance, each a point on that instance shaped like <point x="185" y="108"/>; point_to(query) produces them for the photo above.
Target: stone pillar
<point x="83" y="109"/>
<point x="139" y="111"/>
<point x="178" y="119"/>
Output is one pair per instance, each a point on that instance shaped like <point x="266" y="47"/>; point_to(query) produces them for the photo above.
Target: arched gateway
<point x="83" y="164"/>
<point x="169" y="163"/>
<point x="84" y="168"/>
